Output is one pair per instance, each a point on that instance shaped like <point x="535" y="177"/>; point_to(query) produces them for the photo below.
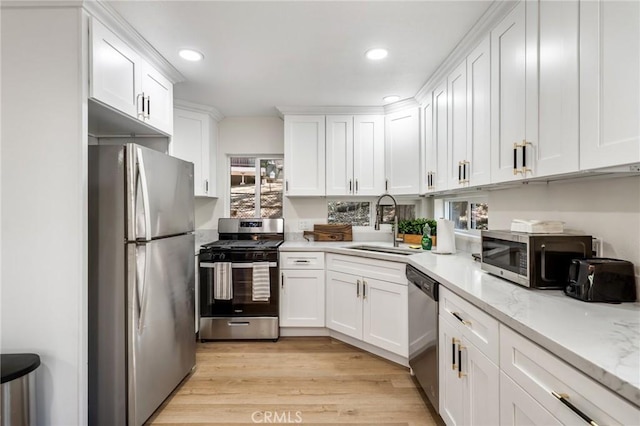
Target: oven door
<point x="241" y="303"/>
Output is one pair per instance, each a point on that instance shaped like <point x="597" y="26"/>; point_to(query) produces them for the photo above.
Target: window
<point x="359" y="213"/>
<point x="255" y="187"/>
<point x="470" y="214"/>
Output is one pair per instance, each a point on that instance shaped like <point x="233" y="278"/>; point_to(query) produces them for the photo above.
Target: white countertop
<point x="601" y="340"/>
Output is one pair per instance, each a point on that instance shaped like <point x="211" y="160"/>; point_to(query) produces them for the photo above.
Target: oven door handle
<point x="237" y="265"/>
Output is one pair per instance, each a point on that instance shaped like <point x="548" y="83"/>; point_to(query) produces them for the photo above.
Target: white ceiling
<point x="263" y="54"/>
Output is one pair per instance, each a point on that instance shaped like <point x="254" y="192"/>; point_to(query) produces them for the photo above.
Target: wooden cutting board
<point x="335" y="232"/>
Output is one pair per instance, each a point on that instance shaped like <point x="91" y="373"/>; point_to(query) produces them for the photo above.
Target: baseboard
<point x="303" y="331"/>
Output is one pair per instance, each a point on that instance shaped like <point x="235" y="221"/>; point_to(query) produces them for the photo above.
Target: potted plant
<point x="411" y="229"/>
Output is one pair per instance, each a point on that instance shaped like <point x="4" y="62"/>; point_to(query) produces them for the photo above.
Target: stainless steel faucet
<point x="395" y="217"/>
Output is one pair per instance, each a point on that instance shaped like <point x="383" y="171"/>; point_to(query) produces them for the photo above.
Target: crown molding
<point x="401" y="105"/>
<point x="329" y="110"/>
<point x="482" y="28"/>
<point x="203" y="109"/>
<point x="112" y="19"/>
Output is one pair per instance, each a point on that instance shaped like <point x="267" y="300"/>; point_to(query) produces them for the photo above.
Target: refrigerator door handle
<point x="142" y="174"/>
<point x="141" y="287"/>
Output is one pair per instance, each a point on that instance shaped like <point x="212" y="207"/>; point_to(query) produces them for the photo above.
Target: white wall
<point x="44" y="196"/>
<point x="605" y="208"/>
<point x="237" y="136"/>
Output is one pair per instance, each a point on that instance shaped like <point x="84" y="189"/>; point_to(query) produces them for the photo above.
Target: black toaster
<point x="601" y="280"/>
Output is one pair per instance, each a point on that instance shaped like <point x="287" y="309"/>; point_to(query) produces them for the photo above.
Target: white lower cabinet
<point x="556" y="387"/>
<point x="469" y="379"/>
<point x="365" y="307"/>
<point x="519" y="408"/>
<point x="302" y="289"/>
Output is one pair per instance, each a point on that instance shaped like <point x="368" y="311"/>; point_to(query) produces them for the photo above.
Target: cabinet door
<point x="158" y="92"/>
<point x="609" y="83"/>
<point x="518" y="408"/>
<point x="556" y="150"/>
<point x="402" y="152"/>
<point x="482" y="381"/>
<point x="368" y="155"/>
<point x="302" y="298"/>
<point x="478" y="167"/>
<point x="508" y="93"/>
<point x="429" y="150"/>
<point x="190" y="142"/>
<point x="115" y="73"/>
<point x="344" y="303"/>
<point x="304" y="149"/>
<point x="339" y="170"/>
<point x="440" y="130"/>
<point x="451" y="386"/>
<point x="457" y="135"/>
<point x="385" y="309"/>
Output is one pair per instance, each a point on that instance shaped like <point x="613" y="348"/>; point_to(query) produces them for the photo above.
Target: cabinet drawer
<point x="479" y="328"/>
<point x="301" y="260"/>
<point x="370" y="268"/>
<point x="540" y="373"/>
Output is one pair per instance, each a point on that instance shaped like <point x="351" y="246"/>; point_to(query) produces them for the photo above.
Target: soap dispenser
<point x="426" y="237"/>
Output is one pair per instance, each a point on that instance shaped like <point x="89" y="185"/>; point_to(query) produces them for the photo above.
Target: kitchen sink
<point x="389" y="250"/>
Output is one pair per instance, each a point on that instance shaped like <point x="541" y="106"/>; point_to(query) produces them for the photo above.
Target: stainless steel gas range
<point x="239" y="280"/>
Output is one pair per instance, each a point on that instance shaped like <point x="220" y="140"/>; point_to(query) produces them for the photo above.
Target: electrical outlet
<point x="303" y="225"/>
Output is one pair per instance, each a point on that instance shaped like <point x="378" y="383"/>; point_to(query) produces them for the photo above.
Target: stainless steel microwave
<point x="533" y="260"/>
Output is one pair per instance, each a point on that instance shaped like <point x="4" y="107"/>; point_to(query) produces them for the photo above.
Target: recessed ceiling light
<point x="391" y="98"/>
<point x="376" y="54"/>
<point x="190" y="55"/>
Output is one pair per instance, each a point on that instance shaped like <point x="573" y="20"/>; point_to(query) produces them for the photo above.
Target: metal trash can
<point x="17" y="395"/>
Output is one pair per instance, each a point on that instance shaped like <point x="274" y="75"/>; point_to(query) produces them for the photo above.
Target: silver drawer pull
<point x="238" y="324"/>
<point x="302" y="261"/>
<point x="564" y="398"/>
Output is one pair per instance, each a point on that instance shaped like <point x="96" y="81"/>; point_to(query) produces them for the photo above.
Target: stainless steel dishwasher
<point x="423" y="331"/>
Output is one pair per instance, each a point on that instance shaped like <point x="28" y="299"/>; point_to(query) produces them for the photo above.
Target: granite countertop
<point x="601" y="340"/>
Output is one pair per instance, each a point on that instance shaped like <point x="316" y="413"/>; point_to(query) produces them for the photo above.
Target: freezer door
<point x="160" y="311"/>
<point x="159" y="194"/>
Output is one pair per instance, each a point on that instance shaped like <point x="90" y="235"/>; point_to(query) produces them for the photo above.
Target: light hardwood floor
<point x="309" y="380"/>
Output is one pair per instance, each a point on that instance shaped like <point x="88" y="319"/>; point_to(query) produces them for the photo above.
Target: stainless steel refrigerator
<point x="141" y="281"/>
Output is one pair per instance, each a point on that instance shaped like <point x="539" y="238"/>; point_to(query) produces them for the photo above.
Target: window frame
<point x="258" y="159"/>
<point x="469" y="199"/>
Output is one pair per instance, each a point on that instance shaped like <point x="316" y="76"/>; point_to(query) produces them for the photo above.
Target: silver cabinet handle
<point x="286" y="185"/>
<point x="206" y="186"/>
<point x="350" y="186"/>
<point x="302" y="261"/>
<point x="364" y="289"/>
<point x="281" y="280"/>
<point x="357" y="288"/>
<point x="356" y="186"/>
<point x="148" y="107"/>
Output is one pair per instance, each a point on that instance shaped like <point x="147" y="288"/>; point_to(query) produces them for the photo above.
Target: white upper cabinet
<point x="457" y="117"/>
<point x="477" y="166"/>
<point x="355" y="154"/>
<point x="556" y="150"/>
<point x="428" y="148"/>
<point x="609" y="83"/>
<point x="511" y="109"/>
<point x="193" y="140"/>
<point x="121" y="79"/>
<point x="402" y="152"/>
<point x="115" y="70"/>
<point x="339" y="135"/>
<point x="368" y="155"/>
<point x="440" y="141"/>
<point x="158" y="93"/>
<point x="535" y="91"/>
<point x="304" y="154"/>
